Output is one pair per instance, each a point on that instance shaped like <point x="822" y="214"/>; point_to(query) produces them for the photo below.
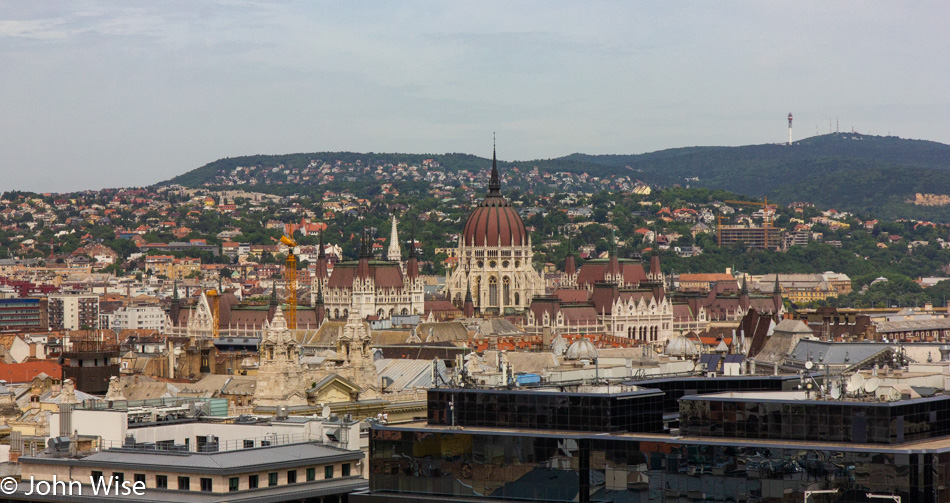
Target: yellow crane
<point x="290" y="273"/>
<point x="766" y="225"/>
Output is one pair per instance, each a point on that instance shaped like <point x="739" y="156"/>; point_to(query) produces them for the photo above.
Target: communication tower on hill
<point x="790" y="128"/>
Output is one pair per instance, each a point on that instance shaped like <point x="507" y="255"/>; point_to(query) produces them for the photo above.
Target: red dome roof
<point x="494" y="222"/>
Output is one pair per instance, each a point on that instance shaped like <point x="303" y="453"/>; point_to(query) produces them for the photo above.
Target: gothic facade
<point x="613" y="295"/>
<point x="380" y="288"/>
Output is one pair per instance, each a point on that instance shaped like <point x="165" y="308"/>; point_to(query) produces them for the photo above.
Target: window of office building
<point x="119" y="477"/>
<point x="206" y="484"/>
<point x="272" y="479"/>
<point x="252" y="481"/>
<point x="292" y="476"/>
<point x="161" y="481"/>
<point x="233" y="484"/>
<point x="346" y="470"/>
<point x="96" y="475"/>
<point x="328" y="472"/>
<point x="311" y="474"/>
<point x="184" y="483"/>
<point x="138" y="477"/>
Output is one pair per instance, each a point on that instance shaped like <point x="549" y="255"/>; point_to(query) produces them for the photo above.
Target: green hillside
<point x="847" y="171"/>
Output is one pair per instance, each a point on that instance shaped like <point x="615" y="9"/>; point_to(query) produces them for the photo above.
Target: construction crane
<point x="291" y="274"/>
<point x="766" y="225"/>
<point x="215" y="297"/>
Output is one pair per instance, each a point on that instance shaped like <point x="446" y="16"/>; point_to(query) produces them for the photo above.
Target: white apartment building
<point x="139" y="317"/>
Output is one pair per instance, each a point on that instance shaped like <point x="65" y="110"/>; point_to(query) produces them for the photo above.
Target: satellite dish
<point x="872" y="385"/>
<point x="325" y="413"/>
<point x="856" y="382"/>
<point x="809" y="364"/>
<point x="835" y="392"/>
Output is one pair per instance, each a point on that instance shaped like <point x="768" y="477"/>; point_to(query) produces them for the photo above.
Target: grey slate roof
<point x="219" y="463"/>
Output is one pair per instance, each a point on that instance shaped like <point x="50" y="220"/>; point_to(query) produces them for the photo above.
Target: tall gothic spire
<point x="494" y="185"/>
<point x="394" y="254"/>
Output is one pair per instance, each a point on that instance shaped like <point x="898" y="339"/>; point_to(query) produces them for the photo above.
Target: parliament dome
<point x="494" y="222"/>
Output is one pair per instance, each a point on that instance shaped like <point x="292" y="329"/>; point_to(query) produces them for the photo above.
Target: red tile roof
<point x="26" y="371"/>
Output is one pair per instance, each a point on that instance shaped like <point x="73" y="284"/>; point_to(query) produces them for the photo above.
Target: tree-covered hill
<point x="848" y="171"/>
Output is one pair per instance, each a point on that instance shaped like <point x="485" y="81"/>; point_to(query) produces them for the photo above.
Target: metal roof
<point x="218" y="463"/>
<point x="836" y="353"/>
<point x="409" y="374"/>
<point x="911" y="325"/>
<point x="287" y="492"/>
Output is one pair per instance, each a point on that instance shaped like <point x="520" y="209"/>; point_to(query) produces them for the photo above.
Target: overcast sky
<point x="116" y="94"/>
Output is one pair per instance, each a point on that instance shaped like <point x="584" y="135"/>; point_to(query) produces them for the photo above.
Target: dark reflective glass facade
<point x="493" y="465"/>
<point x="675" y="388"/>
<point x="635" y="411"/>
<point x="816" y="420"/>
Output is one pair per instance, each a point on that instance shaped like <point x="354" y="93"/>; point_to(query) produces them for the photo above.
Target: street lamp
<point x="819" y="491"/>
<point x="897" y="499"/>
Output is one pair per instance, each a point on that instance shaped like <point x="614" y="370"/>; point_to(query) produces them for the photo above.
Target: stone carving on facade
<point x="280" y="377"/>
<point x="115" y="390"/>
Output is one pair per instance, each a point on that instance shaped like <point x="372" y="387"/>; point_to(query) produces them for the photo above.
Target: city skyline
<point x="101" y="95"/>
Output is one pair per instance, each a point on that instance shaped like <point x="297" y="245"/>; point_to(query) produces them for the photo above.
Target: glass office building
<point x="633" y="410"/>
<point x="495" y="459"/>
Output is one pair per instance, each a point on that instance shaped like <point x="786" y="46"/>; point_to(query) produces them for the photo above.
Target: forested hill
<point x="847" y="171"/>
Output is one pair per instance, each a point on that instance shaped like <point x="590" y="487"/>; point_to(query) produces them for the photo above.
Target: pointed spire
<point x="494" y="184"/>
<point x="394" y="253"/>
<point x="468" y="307"/>
<point x="412" y="265"/>
<point x="412" y="241"/>
<point x="362" y="270"/>
<point x="175" y="293"/>
<point x="273" y="294"/>
<point x="777" y="289"/>
<point x="745" y="286"/>
<point x="656" y="274"/>
<point x="570" y="266"/>
<point x="321" y="261"/>
<point x="613" y="242"/>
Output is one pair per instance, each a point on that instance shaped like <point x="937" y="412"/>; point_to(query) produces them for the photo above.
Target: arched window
<point x="404" y="311"/>
<point x="346" y="313"/>
<point x="517" y="299"/>
<point x="336" y="313"/>
<point x="493" y="291"/>
<point x="506" y="290"/>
